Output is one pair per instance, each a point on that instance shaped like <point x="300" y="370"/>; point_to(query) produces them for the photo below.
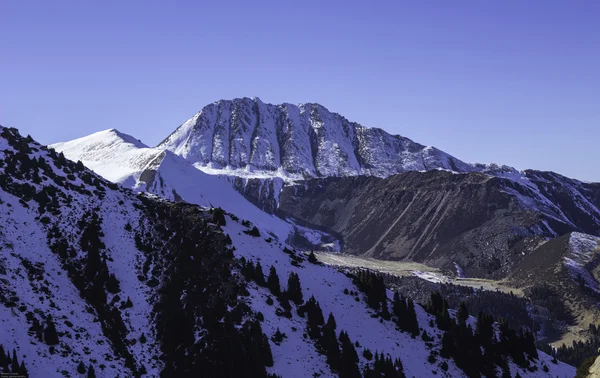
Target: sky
<point x="515" y="82"/>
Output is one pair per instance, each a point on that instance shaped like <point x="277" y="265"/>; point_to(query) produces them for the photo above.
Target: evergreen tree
<point x="79" y="166"/>
<point x="312" y="258"/>
<point x="23" y="369"/>
<point x="91" y="372"/>
<point x="81" y="368"/>
<point x="315" y="317"/>
<point x="4" y="360"/>
<point x="273" y="282"/>
<point x="412" y="324"/>
<point x="435" y="304"/>
<point x="218" y="217"/>
<point x="50" y="335"/>
<point x="462" y="314"/>
<point x="112" y="284"/>
<point x="484" y="330"/>
<point x="256" y="342"/>
<point x="329" y="343"/>
<point x="294" y="289"/>
<point x="373" y="286"/>
<point x="14" y="366"/>
<point x="259" y="275"/>
<point x="128" y="303"/>
<point x="399" y="309"/>
<point x="248" y="269"/>
<point x="349" y="358"/>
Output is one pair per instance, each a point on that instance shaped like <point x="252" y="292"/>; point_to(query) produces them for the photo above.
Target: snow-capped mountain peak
<point x="305" y="140"/>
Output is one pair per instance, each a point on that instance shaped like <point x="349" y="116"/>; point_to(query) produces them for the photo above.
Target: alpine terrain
<point x="196" y="257"/>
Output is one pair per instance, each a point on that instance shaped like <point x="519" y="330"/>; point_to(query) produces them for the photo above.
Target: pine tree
<point x="81" y="368"/>
<point x="484" y="331"/>
<point x="412" y="324"/>
<point x="218" y="217"/>
<point x="14" y="366"/>
<point x="50" y="335"/>
<point x="349" y="358"/>
<point x="259" y="275"/>
<point x="266" y="350"/>
<point x="128" y="303"/>
<point x="61" y="160"/>
<point x="312" y="258"/>
<point x="273" y="282"/>
<point x="294" y="289"/>
<point x="112" y="284"/>
<point x="23" y="369"/>
<point x="435" y="304"/>
<point x="79" y="166"/>
<point x="91" y="372"/>
<point x="462" y="314"/>
<point x="4" y="360"/>
<point x="315" y="317"/>
<point x="399" y="309"/>
<point x="329" y="343"/>
<point x="248" y="269"/>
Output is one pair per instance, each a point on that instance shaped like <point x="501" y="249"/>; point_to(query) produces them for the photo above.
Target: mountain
<point x="480" y="223"/>
<point x="95" y="276"/>
<point x="122" y="159"/>
<point x="325" y="183"/>
<point x="248" y="138"/>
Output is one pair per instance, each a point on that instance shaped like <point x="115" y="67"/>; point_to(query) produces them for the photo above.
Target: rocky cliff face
<point x="480" y="223"/>
<point x="305" y="140"/>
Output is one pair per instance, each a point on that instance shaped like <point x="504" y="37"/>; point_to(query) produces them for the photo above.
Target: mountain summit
<point x="305" y="140"/>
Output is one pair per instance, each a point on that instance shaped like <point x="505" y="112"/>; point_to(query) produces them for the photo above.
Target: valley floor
<point x="409" y="268"/>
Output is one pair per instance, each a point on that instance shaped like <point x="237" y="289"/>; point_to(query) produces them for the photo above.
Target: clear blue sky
<point x="508" y="81"/>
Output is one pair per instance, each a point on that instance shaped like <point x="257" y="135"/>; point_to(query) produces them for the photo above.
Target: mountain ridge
<point x="304" y="140"/>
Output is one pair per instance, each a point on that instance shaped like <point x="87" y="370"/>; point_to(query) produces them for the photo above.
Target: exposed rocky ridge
<point x="482" y="223"/>
<point x="305" y="140"/>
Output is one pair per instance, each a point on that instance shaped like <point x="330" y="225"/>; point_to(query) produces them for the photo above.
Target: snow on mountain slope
<point x="103" y="149"/>
<point x="303" y="140"/>
<point x="327" y="285"/>
<point x="36" y="287"/>
<point x="112" y="155"/>
<point x="328" y="288"/>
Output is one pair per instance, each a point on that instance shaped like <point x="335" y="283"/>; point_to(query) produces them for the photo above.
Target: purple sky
<point x="508" y="81"/>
